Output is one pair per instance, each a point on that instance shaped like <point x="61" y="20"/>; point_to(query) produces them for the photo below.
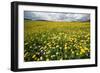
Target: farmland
<point x="49" y="40"/>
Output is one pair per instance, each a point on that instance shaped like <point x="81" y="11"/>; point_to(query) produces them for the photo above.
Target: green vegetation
<point x="46" y="41"/>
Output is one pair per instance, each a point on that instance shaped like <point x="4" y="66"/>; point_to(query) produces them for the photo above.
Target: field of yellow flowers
<point x="47" y="41"/>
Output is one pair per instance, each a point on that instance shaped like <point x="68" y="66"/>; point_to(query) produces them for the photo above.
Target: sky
<point x="54" y="16"/>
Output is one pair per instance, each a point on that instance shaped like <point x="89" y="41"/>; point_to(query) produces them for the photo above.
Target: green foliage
<point x="44" y="40"/>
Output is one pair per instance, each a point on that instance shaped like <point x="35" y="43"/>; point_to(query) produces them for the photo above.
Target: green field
<point x="47" y="41"/>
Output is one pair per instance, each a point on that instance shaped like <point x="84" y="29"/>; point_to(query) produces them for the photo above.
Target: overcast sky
<point x="51" y="16"/>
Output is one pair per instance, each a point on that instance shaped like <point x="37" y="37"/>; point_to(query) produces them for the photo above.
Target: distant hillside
<point x="55" y="20"/>
<point x="27" y="19"/>
<point x="40" y="20"/>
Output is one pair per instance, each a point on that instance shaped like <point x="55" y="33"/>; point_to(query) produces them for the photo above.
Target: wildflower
<point x="77" y="53"/>
<point x="86" y="49"/>
<point x="41" y="58"/>
<point x="72" y="52"/>
<point x="33" y="56"/>
<point x="57" y="53"/>
<point x="26" y="54"/>
<point x="30" y="46"/>
<point x="52" y="56"/>
<point x="48" y="52"/>
<point x="65" y="44"/>
<point x="82" y="50"/>
<point x="47" y="59"/>
<point x="65" y="48"/>
<point x="57" y="46"/>
<point x="61" y="58"/>
<point x="60" y="47"/>
<point x="26" y="43"/>
<point x="81" y="53"/>
<point x="46" y="56"/>
<point x="38" y="59"/>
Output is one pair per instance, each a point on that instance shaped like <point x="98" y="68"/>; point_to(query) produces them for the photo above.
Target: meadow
<point x="49" y="40"/>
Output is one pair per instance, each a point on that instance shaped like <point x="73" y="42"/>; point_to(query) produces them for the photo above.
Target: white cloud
<point x="56" y="16"/>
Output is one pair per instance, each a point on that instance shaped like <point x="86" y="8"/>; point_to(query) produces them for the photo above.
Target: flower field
<point x="48" y="40"/>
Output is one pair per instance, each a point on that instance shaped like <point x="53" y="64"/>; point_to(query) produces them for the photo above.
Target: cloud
<point x="56" y="16"/>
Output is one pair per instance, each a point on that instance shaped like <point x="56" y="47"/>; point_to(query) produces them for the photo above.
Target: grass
<point x="47" y="41"/>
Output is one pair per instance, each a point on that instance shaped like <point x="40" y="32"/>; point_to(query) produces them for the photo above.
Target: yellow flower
<point x="72" y="52"/>
<point x="65" y="48"/>
<point x="60" y="47"/>
<point x="47" y="59"/>
<point x="81" y="53"/>
<point x="65" y="44"/>
<point x="61" y="59"/>
<point x="49" y="45"/>
<point x="80" y="46"/>
<point x="52" y="56"/>
<point x="46" y="56"/>
<point x="86" y="49"/>
<point x="57" y="45"/>
<point x="26" y="43"/>
<point x="48" y="51"/>
<point x="77" y="54"/>
<point x="33" y="56"/>
<point x="30" y="46"/>
<point x="38" y="59"/>
<point x="26" y="54"/>
<point x="57" y="53"/>
<point x="41" y="58"/>
<point x="82" y="50"/>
